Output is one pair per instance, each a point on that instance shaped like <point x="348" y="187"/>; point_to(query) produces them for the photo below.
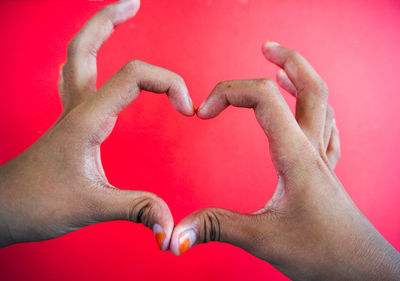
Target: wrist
<point x="367" y="258"/>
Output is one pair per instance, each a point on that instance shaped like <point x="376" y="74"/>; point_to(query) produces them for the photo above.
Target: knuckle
<point x="180" y="79"/>
<point x="222" y="89"/>
<point x="223" y="85"/>
<point x="264" y="84"/>
<point x="133" y="66"/>
<point x="211" y="225"/>
<point x="142" y="208"/>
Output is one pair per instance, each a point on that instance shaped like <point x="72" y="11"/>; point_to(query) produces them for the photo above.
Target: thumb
<point x="214" y="224"/>
<point x="138" y="207"/>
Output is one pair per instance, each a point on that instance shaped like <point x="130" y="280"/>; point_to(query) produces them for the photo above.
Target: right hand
<point x="310" y="229"/>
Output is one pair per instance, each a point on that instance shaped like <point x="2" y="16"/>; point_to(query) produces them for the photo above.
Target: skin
<point x="58" y="184"/>
<point x="309" y="230"/>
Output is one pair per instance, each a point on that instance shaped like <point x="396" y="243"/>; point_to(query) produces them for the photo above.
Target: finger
<point x="61" y="84"/>
<point x="284" y="82"/>
<point x="80" y="71"/>
<point x="311" y="90"/>
<point x="214" y="224"/>
<point x="136" y="76"/>
<point x="101" y="110"/>
<point x="333" y="150"/>
<point x="138" y="207"/>
<point x="328" y="126"/>
<point x="272" y="112"/>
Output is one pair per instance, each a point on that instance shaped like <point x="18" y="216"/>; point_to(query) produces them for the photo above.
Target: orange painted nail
<point x="272" y="41"/>
<point x="186" y="240"/>
<point x="61" y="68"/>
<point x="184" y="245"/>
<point x="159" y="234"/>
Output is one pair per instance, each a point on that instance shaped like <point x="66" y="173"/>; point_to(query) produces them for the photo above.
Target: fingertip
<point x="191" y="107"/>
<point x="187" y="111"/>
<point x="182" y="240"/>
<point x="128" y="8"/>
<point x="162" y="238"/>
<point x="174" y="245"/>
<point x="269" y="46"/>
<point x="201" y="112"/>
<point x="195" y="108"/>
<point x="136" y="4"/>
<point x="204" y="112"/>
<point x="133" y="4"/>
<point x="180" y="97"/>
<point x="161" y="223"/>
<point x="162" y="231"/>
<point x="274" y="52"/>
<point x="181" y="100"/>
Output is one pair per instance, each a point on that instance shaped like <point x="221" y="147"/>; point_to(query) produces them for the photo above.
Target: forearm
<point x="5" y="234"/>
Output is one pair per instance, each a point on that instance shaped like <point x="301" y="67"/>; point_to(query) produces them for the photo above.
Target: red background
<point x="191" y="163"/>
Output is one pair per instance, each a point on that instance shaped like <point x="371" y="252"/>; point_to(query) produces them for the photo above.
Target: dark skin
<point x="58" y="185"/>
<point x="309" y="230"/>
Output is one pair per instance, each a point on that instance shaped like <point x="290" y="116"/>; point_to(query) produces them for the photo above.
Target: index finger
<point x="285" y="136"/>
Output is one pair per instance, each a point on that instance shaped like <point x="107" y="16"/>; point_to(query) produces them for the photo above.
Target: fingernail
<point x="186" y="240"/>
<point x="61" y="68"/>
<point x="271" y="43"/>
<point x="190" y="102"/>
<point x="159" y="234"/>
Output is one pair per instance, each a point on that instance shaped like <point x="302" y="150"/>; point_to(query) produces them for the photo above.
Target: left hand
<point x="58" y="185"/>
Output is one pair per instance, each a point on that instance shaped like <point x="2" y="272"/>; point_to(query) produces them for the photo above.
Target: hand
<point x="58" y="184"/>
<point x="310" y="229"/>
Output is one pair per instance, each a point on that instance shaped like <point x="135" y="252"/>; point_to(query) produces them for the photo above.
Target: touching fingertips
<point x="274" y="52"/>
<point x="191" y="106"/>
<point x="201" y="110"/>
<point x="160" y="236"/>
